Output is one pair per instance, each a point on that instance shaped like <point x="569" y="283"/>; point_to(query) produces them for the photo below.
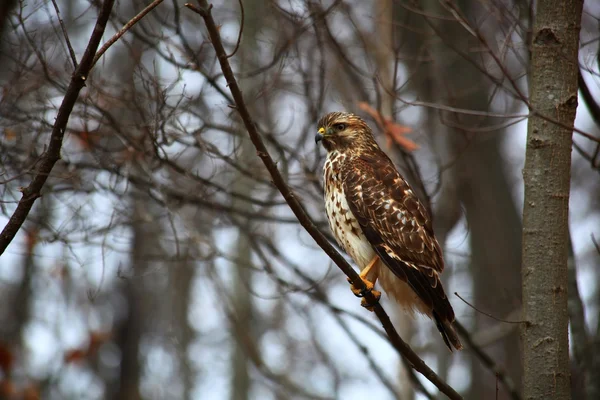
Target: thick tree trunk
<point x="553" y="94"/>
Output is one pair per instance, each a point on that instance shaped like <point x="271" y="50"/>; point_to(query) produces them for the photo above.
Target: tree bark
<point x="553" y="95"/>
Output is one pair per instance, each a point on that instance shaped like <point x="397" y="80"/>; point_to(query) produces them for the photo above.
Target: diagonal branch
<point x="402" y="347"/>
<point x="125" y="28"/>
<point x="52" y="154"/>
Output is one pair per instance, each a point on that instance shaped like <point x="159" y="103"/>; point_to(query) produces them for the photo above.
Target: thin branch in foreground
<point x="487" y="314"/>
<point x="125" y="28"/>
<point x="402" y="347"/>
<point x="239" y="39"/>
<point x="52" y="154"/>
<point x="64" y="31"/>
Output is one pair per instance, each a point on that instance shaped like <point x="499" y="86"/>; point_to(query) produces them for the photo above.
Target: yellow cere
<point x="321" y="130"/>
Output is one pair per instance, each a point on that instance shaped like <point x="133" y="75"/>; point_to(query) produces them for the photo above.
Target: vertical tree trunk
<point x="181" y="277"/>
<point x="5" y="9"/>
<point x="553" y="93"/>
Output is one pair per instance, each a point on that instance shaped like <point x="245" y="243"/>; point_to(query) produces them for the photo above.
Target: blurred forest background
<point x="162" y="263"/>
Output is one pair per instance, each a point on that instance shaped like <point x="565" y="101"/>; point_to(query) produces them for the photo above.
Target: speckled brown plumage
<point x="373" y="212"/>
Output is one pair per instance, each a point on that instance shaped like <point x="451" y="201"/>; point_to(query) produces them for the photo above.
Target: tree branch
<point x="52" y="154"/>
<point x="125" y="28"/>
<point x="402" y="347"/>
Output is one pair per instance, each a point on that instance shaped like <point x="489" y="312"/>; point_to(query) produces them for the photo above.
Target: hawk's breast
<point x="343" y="224"/>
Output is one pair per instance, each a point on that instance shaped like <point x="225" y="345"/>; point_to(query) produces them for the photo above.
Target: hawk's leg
<point x="369" y="277"/>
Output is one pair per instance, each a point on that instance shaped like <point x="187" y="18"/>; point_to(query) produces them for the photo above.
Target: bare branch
<point x="52" y="154"/>
<point x="487" y="314"/>
<point x="64" y="31"/>
<point x="205" y="12"/>
<point x="125" y="28"/>
<point x="239" y="39"/>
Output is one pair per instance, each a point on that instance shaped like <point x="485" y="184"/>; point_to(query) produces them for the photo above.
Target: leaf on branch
<point x="97" y="339"/>
<point x="10" y="134"/>
<point x="6" y="358"/>
<point x="76" y="355"/>
<point x="7" y="389"/>
<point x="60" y="271"/>
<point x="31" y="239"/>
<point x="393" y="132"/>
<point x="31" y="392"/>
<point x="87" y="140"/>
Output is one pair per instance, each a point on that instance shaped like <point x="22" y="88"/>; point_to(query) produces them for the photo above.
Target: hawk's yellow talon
<point x="361" y="292"/>
<point x="371" y="306"/>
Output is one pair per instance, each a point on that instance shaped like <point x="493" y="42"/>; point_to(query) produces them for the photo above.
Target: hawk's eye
<point x="339" y="127"/>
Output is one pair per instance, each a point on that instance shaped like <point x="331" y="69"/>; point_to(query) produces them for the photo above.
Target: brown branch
<point x="239" y="39"/>
<point x="402" y="347"/>
<point x="64" y="31"/>
<point x="125" y="28"/>
<point x="52" y="154"/>
<point x="487" y="314"/>
<point x="580" y="339"/>
<point x="588" y="99"/>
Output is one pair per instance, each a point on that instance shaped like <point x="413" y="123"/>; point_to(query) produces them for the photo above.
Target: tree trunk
<point x="553" y="93"/>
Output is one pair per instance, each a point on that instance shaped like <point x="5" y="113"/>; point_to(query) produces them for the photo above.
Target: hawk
<point x="379" y="221"/>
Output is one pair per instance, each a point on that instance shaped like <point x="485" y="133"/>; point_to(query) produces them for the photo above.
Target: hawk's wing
<point x="397" y="226"/>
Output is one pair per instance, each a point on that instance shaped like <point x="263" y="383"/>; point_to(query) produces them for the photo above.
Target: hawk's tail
<point x="448" y="333"/>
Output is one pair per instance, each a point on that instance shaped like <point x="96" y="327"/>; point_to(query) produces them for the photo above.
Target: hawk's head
<point x="343" y="131"/>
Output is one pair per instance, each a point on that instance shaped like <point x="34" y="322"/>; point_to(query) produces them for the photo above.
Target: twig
<point x="52" y="154"/>
<point x="64" y="30"/>
<point x="486" y="314"/>
<point x="239" y="39"/>
<point x="125" y="28"/>
<point x="588" y="99"/>
<point x="497" y="387"/>
<point x="580" y="344"/>
<point x="596" y="245"/>
<point x="418" y="364"/>
<point x="456" y="110"/>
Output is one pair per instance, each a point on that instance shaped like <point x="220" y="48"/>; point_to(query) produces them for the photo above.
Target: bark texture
<point x="553" y="95"/>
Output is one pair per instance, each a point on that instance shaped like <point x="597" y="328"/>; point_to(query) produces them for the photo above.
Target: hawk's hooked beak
<point x="319" y="135"/>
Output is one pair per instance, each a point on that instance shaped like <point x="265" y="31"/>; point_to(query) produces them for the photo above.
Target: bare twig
<point x="486" y="314"/>
<point x="596" y="245"/>
<point x="456" y="110"/>
<point x="239" y="39"/>
<point x="64" y="31"/>
<point x="204" y="10"/>
<point x="588" y="99"/>
<point x="125" y="28"/>
<point x="579" y="334"/>
<point x="497" y="391"/>
<point x="52" y="154"/>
